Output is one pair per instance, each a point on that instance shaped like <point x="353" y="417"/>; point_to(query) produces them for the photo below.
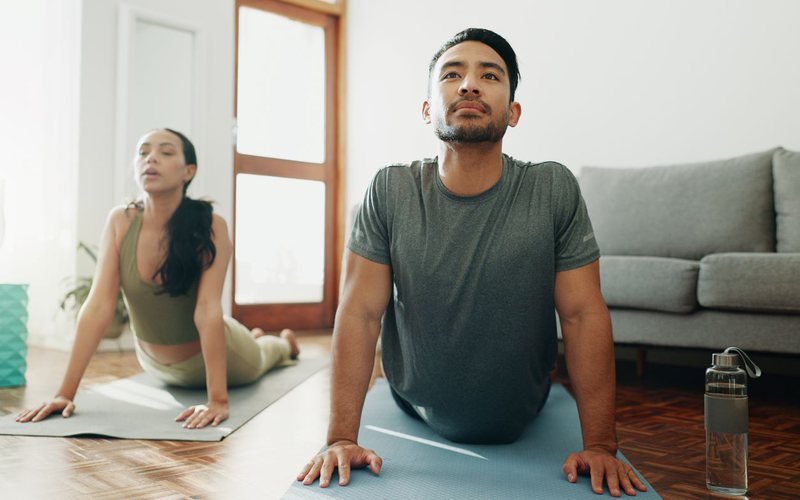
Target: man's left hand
<point x="601" y="464"/>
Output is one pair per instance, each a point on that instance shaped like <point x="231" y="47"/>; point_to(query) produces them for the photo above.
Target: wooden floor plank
<point x="659" y="424"/>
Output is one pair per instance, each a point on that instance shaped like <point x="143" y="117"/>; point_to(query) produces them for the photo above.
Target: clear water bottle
<point x="726" y="419"/>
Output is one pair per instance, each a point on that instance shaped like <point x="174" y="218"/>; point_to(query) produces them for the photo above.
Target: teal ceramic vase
<point x="13" y="334"/>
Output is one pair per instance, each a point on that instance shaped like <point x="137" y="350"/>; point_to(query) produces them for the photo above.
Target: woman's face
<point x="160" y="164"/>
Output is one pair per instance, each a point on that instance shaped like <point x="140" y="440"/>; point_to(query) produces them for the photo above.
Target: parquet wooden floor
<point x="660" y="427"/>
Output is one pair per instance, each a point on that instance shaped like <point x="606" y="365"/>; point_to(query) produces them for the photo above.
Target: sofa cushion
<point x="786" y="173"/>
<point x="766" y="282"/>
<point x="654" y="283"/>
<point x="683" y="211"/>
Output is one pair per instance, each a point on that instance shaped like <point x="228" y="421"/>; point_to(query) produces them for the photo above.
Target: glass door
<point x="285" y="166"/>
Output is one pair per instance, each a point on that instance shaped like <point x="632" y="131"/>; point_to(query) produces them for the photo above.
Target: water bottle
<point x="726" y="418"/>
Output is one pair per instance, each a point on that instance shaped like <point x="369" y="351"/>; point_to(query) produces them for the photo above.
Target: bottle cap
<point x="725" y="359"/>
<point x="728" y="358"/>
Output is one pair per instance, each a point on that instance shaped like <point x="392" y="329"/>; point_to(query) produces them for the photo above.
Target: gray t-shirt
<point x="469" y="335"/>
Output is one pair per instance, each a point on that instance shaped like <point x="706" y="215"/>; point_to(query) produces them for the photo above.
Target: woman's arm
<point x="94" y="317"/>
<point x="208" y="319"/>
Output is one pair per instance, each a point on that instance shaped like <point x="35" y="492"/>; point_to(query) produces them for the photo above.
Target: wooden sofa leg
<point x="641" y="357"/>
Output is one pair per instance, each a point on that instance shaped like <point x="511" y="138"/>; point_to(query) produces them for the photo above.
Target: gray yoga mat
<point x="141" y="407"/>
<point x="529" y="468"/>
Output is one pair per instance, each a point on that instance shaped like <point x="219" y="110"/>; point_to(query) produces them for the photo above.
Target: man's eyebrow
<point x="452" y="64"/>
<point x="482" y="64"/>
<point x="492" y="65"/>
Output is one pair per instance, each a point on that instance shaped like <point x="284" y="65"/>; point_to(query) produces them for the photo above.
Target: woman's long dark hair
<point x="190" y="238"/>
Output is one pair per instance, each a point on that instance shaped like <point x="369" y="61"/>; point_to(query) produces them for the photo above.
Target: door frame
<point x="303" y="315"/>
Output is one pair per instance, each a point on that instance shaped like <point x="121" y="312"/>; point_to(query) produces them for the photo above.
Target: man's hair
<point x="487" y="37"/>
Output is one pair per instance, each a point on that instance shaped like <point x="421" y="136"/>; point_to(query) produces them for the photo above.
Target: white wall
<point x="612" y="83"/>
<point x="40" y="57"/>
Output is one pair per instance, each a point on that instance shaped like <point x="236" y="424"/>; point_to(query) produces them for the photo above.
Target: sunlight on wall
<point x="38" y="132"/>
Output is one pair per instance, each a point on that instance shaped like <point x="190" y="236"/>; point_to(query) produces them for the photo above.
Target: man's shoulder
<point x="415" y="165"/>
<point x="551" y="169"/>
<point x="546" y="166"/>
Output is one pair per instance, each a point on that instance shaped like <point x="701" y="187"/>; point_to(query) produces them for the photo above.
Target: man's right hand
<point x="343" y="455"/>
<point x="59" y="403"/>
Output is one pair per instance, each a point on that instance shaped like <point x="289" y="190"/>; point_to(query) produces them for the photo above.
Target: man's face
<point x="469" y="95"/>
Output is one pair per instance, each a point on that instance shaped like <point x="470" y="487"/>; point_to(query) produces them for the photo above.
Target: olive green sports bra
<point x="157" y="319"/>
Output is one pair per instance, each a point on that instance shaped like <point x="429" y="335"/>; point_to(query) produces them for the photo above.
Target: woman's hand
<point x="59" y="403"/>
<point x="199" y="416"/>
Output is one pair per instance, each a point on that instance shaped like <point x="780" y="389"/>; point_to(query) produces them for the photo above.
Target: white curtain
<point x="2" y="215"/>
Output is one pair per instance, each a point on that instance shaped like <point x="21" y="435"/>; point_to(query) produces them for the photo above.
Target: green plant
<point x="78" y="291"/>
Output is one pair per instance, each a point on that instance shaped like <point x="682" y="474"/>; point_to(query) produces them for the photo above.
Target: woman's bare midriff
<point x="170" y="354"/>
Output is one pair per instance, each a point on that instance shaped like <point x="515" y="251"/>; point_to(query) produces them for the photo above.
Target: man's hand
<point x="343" y="455"/>
<point x="59" y="403"/>
<point x="199" y="416"/>
<point x="602" y="464"/>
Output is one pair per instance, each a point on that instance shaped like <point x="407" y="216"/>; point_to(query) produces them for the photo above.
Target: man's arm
<point x="589" y="352"/>
<point x="367" y="286"/>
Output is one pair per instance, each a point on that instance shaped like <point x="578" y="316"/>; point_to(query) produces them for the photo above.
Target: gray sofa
<point x="702" y="255"/>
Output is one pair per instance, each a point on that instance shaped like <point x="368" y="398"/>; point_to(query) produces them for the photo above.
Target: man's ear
<point x="514" y="113"/>
<point x="426" y="111"/>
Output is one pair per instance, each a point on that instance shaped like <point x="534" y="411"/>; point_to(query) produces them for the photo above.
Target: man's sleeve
<point x="370" y="235"/>
<point x="575" y="244"/>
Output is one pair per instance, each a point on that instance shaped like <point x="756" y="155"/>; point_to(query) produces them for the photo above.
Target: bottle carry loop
<point x="752" y="369"/>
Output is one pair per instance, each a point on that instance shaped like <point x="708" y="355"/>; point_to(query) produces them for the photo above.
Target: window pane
<point x="281" y="87"/>
<point x="280" y="240"/>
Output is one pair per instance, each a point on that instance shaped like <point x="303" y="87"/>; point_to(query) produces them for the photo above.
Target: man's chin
<point x="469" y="135"/>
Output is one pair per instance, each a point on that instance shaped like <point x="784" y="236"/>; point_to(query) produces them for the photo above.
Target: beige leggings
<point x="248" y="359"/>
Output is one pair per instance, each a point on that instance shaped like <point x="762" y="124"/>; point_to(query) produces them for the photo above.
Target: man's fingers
<point x="344" y="469"/>
<point x="625" y="480"/>
<point x="571" y="468"/>
<point x="597" y="472"/>
<point x="636" y="481"/>
<point x="612" y="479"/>
<point x="328" y="464"/>
<point x="304" y="470"/>
<point x="375" y="463"/>
<point x="313" y="472"/>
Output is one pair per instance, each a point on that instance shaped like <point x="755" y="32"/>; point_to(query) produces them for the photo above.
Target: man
<point x="459" y="262"/>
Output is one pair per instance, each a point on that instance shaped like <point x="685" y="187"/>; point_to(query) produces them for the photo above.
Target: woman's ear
<point x="191" y="171"/>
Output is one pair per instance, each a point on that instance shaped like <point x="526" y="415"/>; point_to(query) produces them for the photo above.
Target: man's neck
<point x="470" y="169"/>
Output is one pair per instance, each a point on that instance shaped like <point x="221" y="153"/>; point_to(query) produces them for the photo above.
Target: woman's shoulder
<point x="120" y="218"/>
<point x="218" y="224"/>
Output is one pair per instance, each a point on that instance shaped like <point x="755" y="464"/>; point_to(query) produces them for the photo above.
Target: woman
<point x="169" y="254"/>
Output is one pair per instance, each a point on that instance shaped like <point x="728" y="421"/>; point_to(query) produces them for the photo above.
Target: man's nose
<point x="468" y="86"/>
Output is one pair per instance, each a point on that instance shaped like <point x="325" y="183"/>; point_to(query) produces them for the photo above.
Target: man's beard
<point x="466" y="134"/>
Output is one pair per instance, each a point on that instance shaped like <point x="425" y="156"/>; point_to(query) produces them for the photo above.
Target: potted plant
<point x="78" y="292"/>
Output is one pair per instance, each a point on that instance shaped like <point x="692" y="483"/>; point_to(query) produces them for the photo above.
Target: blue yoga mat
<point x="527" y="469"/>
